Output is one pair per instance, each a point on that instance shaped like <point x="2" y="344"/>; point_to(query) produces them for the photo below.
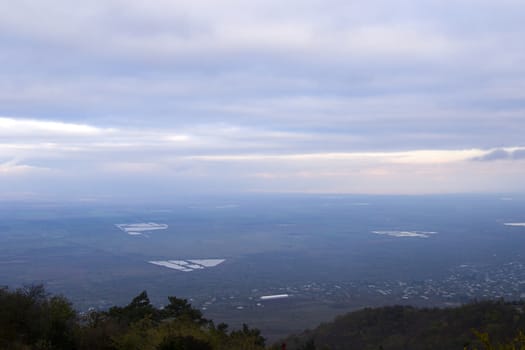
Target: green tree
<point x="177" y="342"/>
<point x="180" y="308"/>
<point x="139" y="308"/>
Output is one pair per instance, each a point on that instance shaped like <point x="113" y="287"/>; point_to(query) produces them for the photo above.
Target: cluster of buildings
<point x="464" y="283"/>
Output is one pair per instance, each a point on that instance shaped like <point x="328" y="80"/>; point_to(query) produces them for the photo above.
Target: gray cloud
<point x="502" y="154"/>
<point x="495" y="155"/>
<point x="518" y="154"/>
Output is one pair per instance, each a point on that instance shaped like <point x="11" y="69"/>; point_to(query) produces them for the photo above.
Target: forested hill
<point x="405" y="327"/>
<point x="32" y="319"/>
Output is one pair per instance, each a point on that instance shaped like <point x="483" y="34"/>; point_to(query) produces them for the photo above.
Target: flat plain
<point x="328" y="254"/>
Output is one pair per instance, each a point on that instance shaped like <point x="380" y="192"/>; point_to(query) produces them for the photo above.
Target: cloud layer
<point x="312" y="96"/>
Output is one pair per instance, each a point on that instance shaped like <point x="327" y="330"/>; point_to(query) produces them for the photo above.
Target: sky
<point x="151" y="99"/>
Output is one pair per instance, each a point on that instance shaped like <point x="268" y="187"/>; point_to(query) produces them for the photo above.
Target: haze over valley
<point x="324" y="252"/>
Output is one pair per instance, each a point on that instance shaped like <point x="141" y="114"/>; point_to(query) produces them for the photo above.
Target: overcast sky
<point x="110" y="98"/>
